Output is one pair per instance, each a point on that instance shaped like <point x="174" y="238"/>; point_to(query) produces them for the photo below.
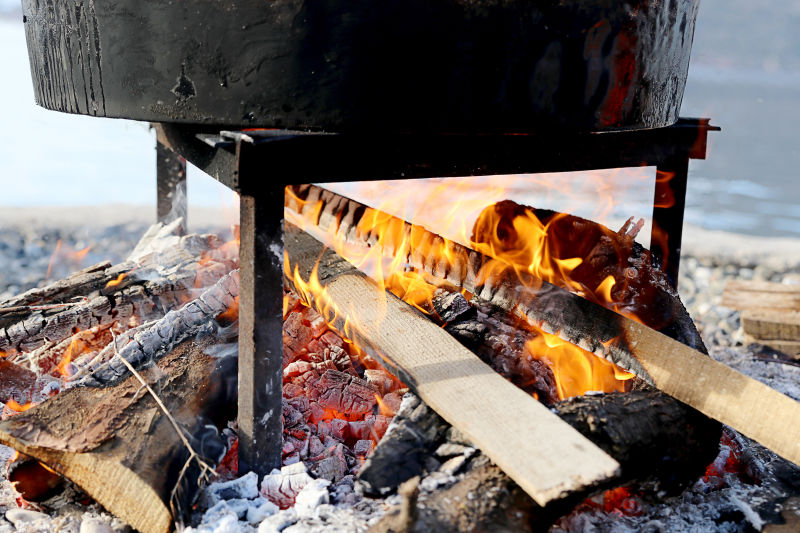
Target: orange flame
<point x="576" y="370"/>
<point x="231" y="314"/>
<point x="521" y="244"/>
<point x="68" y="256"/>
<point x="116" y="281"/>
<point x="76" y="347"/>
<point x="18" y="408"/>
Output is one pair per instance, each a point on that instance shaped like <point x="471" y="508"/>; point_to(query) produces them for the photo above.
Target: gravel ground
<point x="710" y="260"/>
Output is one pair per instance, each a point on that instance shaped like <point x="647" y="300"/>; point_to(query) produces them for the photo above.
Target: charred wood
<point x="433" y="364"/>
<point x="16" y="382"/>
<point x="163" y="335"/>
<point x="161" y="279"/>
<point x="650" y="435"/>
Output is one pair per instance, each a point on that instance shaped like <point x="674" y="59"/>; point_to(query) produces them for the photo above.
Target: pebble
<point x="95" y="525"/>
<point x="19" y="517"/>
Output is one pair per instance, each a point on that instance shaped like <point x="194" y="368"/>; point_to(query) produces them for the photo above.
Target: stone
<point x="20" y="517"/>
<point x="95" y="525"/>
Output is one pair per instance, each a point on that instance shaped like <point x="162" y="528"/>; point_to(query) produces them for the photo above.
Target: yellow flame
<point x="521" y="244"/>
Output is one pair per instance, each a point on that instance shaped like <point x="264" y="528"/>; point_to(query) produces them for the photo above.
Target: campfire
<point x="141" y="354"/>
<point x="341" y="364"/>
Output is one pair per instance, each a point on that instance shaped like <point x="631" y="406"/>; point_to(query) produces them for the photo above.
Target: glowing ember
<point x="116" y="281"/>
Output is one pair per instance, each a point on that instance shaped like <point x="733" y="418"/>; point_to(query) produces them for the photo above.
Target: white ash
<point x="309" y="504"/>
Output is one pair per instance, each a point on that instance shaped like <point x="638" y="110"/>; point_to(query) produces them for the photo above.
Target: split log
<point x="117" y="444"/>
<point x="761" y="295"/>
<point x="460" y="387"/>
<point x="148" y="344"/>
<point x="771" y="324"/>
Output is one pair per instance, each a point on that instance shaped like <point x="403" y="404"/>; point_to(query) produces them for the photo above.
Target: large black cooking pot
<point x="399" y="65"/>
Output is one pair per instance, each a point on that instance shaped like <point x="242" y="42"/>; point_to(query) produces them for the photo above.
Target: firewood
<point x="117" y="445"/>
<point x="452" y="380"/>
<point x="769" y="312"/>
<point x="652" y="437"/>
<point x="790" y="348"/>
<point x="686" y="374"/>
<point x="770" y="324"/>
<point x="162" y="282"/>
<point x="761" y="295"/>
<point x="164" y="334"/>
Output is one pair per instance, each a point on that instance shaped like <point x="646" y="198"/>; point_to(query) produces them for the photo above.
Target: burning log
<point x="451" y="379"/>
<point x="139" y="453"/>
<point x="679" y="370"/>
<point x="118" y="445"/>
<point x="651" y="435"/>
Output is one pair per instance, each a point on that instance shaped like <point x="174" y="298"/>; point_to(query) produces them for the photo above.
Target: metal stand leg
<point x="171" y="185"/>
<point x="668" y="206"/>
<point x="260" y="331"/>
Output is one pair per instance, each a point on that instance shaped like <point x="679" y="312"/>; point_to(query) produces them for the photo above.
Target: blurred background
<point x="744" y="74"/>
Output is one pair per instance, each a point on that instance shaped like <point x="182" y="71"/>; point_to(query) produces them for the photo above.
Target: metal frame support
<point x="241" y="161"/>
<point x="170" y="185"/>
<point x="260" y="330"/>
<point x="669" y="203"/>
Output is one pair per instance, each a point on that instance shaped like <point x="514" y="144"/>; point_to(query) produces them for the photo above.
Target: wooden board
<point x="790" y="348"/>
<point x="761" y="295"/>
<point x="544" y="455"/>
<point x="748" y="406"/>
<point x="772" y="324"/>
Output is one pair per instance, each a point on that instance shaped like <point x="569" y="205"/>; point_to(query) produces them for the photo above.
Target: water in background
<point x="745" y="75"/>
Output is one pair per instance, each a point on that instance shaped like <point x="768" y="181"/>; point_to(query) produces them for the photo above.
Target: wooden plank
<point x="743" y="295"/>
<point x="771" y="324"/>
<point x="544" y="455"/>
<point x="748" y="406"/>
